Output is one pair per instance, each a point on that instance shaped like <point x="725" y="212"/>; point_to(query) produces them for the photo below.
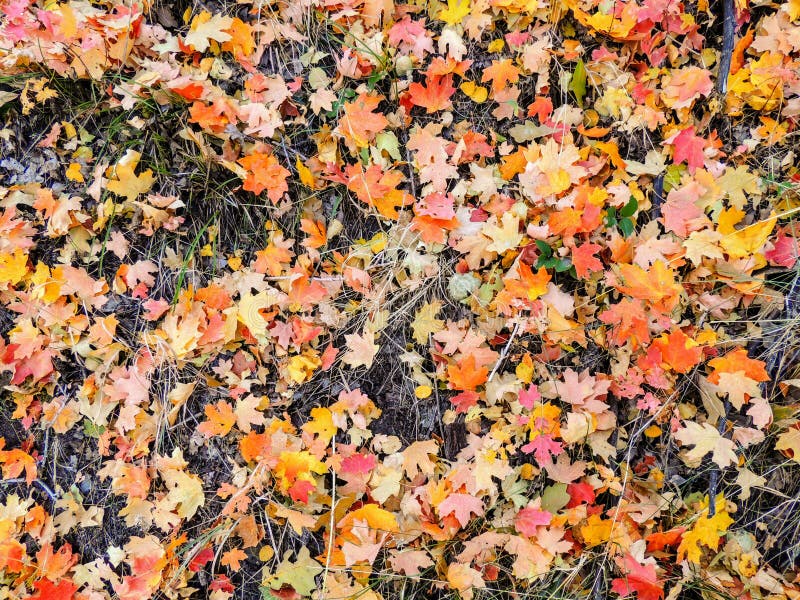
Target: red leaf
<point x="47" y="590"/>
<point x="641" y="579"/>
<point x="689" y="148"/>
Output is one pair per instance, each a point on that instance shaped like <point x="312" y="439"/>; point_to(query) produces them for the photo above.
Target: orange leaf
<point x="737" y="360"/>
<point x="465" y="375"/>
<point x="317" y="233"/>
<point x="233" y="558"/>
<point x="678" y="350"/>
<point x="500" y="73"/>
<point x="359" y="124"/>
<point x="265" y="173"/>
<point x="656" y="285"/>
<point x="221" y="419"/>
<point x="434" y="97"/>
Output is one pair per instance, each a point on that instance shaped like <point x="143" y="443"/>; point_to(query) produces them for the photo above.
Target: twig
<point x="728" y="35"/>
<point x="504" y="352"/>
<point x="332" y="523"/>
<point x="45" y="488"/>
<point x="713" y="480"/>
<point x="658" y="197"/>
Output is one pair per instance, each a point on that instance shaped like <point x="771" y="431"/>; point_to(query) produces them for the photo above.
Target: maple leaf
<point x="247" y="413"/>
<point x="63" y="589"/>
<point x="373" y="515"/>
<point x="639" y="578"/>
<point x="462" y="506"/>
<point x="656" y="285"/>
<point x="744" y="242"/>
<point x="706" y="531"/>
<point x="13" y="267"/>
<point x="416" y="458"/>
<point x="685" y="86"/>
<point x="295" y="473"/>
<point x="361" y="349"/>
<point x="378" y="188"/>
<point x="529" y="519"/>
<point x="505" y="236"/>
<point x="425" y="322"/>
<point x="500" y="73"/>
<point x="317" y="233"/>
<point x="678" y="351"/>
<point x="233" y="558"/>
<point x="410" y="562"/>
<point x="466" y="375"/>
<point x="584" y="260"/>
<point x="706" y="439"/>
<point x="15" y="461"/>
<point x="359" y="124"/>
<point x="455" y="11"/>
<point x="299" y="574"/>
<point x="703" y="244"/>
<point x="205" y="27"/>
<point x="125" y="182"/>
<point x="321" y="424"/>
<point x="221" y="419"/>
<point x="185" y="491"/>
<point x="435" y="95"/>
<point x="265" y="173"/>
<point x="596" y="530"/>
<point x="737" y="182"/>
<point x="688" y="148"/>
<point x="737" y="360"/>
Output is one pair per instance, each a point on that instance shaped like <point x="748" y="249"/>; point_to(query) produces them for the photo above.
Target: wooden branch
<point x="728" y="39"/>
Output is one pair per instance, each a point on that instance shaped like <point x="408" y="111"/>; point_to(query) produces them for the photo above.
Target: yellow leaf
<point x="746" y="241"/>
<point x="321" y="424"/>
<point x="124" y="180"/>
<point x="653" y="431"/>
<point x="73" y="173"/>
<point x="496" y="45"/>
<point x="425" y="322"/>
<point x="705" y="532"/>
<point x="596" y="531"/>
<point x="44" y="286"/>
<point x="306" y="177"/>
<point x="186" y="491"/>
<point x="477" y="93"/>
<point x="249" y="313"/>
<point x="68" y="24"/>
<point x="301" y="367"/>
<point x="455" y="12"/>
<point x="376" y="517"/>
<point x="266" y="553"/>
<point x="13" y="267"/>
<point x="524" y="370"/>
<point x="423" y="391"/>
<point x="792" y="8"/>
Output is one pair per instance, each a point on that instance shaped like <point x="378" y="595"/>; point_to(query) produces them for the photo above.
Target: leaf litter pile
<point x="351" y="299"/>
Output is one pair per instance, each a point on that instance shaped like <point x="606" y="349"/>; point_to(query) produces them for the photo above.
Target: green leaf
<point x="563" y="264"/>
<point x="611" y="216"/>
<point x="578" y="82"/>
<point x="630" y="208"/>
<point x="626" y="227"/>
<point x="92" y="430"/>
<point x="555" y="497"/>
<point x="544" y="248"/>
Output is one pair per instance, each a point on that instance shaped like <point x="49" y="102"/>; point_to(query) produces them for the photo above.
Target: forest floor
<point x="355" y="299"/>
